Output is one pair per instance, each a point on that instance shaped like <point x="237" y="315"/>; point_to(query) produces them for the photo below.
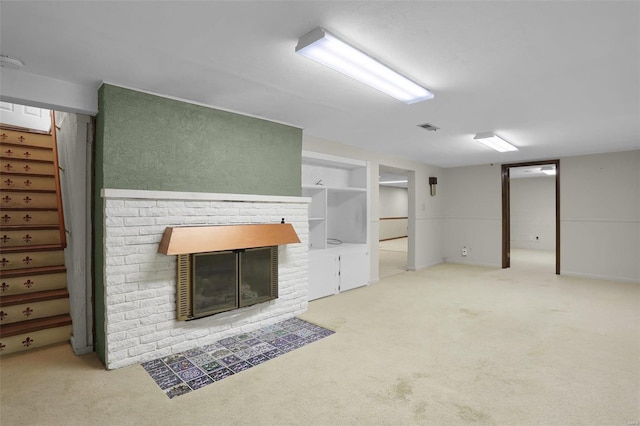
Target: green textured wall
<point x="153" y="143"/>
<point x="98" y="239"/>
<point x="156" y="143"/>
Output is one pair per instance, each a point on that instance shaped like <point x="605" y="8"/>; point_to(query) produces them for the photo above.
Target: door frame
<point x="506" y="209"/>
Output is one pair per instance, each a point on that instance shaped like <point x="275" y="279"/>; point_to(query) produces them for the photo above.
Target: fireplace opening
<point x="214" y="282"/>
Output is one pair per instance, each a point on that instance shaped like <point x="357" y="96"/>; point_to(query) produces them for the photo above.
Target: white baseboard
<point x="598" y="277"/>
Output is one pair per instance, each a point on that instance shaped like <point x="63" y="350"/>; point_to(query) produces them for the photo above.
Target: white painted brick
<point x="136" y="240"/>
<point x="140" y="313"/>
<point x="114" y="221"/>
<point x="117" y="250"/>
<point x="123" y="344"/>
<point x="122" y="232"/>
<point x="140" y="221"/>
<point x="151" y="282"/>
<point x="154" y="337"/>
<point x="140" y="295"/>
<point x="124" y="269"/>
<point x="140" y="331"/>
<point x="124" y="212"/>
<point x="151" y="247"/>
<point x="167" y="343"/>
<point x="158" y="302"/>
<point x="170" y="203"/>
<point x="114" y="241"/>
<point x="184" y="346"/>
<point x="117" y="336"/>
<point x="115" y="260"/>
<point x="155" y="212"/>
<point x="113" y="279"/>
<point x="141" y="349"/>
<point x="166" y="290"/>
<point x="140" y="203"/>
<point x="195" y="220"/>
<point x="170" y="220"/>
<point x="143" y="258"/>
<point x="117" y="289"/>
<point x="112" y="203"/>
<point x="147" y="230"/>
<point x="124" y="326"/>
<point x="144" y="277"/>
<point x="128" y="306"/>
<point x="116" y="298"/>
<point x="158" y="266"/>
<point x="197" y="204"/>
<point x="157" y="318"/>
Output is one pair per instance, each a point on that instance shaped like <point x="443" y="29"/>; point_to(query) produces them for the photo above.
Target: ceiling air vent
<point x="429" y="127"/>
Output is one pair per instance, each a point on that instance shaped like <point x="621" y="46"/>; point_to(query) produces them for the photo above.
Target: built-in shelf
<point x="338" y="188"/>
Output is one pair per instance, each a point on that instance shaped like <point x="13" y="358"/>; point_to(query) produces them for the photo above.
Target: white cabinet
<point x="354" y="268"/>
<point x="324" y="278"/>
<point x="338" y="222"/>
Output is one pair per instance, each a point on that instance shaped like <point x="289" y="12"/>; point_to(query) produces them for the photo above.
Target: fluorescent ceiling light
<point x="494" y="141"/>
<point x="327" y="49"/>
<point x="392" y="181"/>
<point x="549" y="170"/>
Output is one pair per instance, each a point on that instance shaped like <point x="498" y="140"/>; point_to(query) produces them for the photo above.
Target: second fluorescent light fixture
<point x="494" y="141"/>
<point x="327" y="49"/>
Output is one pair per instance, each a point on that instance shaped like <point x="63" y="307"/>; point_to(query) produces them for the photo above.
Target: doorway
<point x="74" y="136"/>
<point x="526" y="236"/>
<point x="393" y="244"/>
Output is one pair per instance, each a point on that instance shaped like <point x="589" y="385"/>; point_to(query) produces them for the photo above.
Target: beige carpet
<point x="392" y="257"/>
<point x="444" y="346"/>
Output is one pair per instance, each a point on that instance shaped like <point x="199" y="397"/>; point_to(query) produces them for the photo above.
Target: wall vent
<point x="429" y="127"/>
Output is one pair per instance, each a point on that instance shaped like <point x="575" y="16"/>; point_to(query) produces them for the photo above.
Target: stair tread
<point x="26" y="209"/>
<point x="24" y="145"/>
<point x="32" y="160"/>
<point x="35" y="191"/>
<point x="44" y="247"/>
<point x="27" y="227"/>
<point x="38" y="296"/>
<point x="16" y="328"/>
<point x="47" y="175"/>
<point x="24" y="272"/>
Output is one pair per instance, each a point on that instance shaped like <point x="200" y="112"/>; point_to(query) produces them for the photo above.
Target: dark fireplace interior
<point x="226" y="280"/>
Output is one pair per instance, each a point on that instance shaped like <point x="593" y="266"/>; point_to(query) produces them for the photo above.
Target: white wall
<point x="394" y="209"/>
<point x="425" y="212"/>
<point x="533" y="213"/>
<point x="473" y="214"/>
<point x="600" y="216"/>
<point x="599" y="212"/>
<point x="74" y="157"/>
<point x="45" y="92"/>
<point x="394" y="202"/>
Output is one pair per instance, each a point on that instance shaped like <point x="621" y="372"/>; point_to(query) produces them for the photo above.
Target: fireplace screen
<point x="209" y="283"/>
<point x="214" y="282"/>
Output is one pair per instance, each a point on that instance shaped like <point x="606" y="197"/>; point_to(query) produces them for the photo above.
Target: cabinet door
<point x="354" y="269"/>
<point x="323" y="275"/>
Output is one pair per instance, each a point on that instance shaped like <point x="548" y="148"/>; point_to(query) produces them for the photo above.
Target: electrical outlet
<point x="464" y="251"/>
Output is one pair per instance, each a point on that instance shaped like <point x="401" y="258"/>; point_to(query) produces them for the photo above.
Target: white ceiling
<point x="554" y="78"/>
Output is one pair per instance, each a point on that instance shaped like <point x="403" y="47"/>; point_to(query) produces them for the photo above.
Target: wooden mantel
<point x="202" y="239"/>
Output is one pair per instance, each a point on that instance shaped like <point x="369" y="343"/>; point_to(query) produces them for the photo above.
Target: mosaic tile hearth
<point x="187" y="371"/>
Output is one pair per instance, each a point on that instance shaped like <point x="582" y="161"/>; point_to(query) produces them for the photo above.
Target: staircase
<point x="34" y="301"/>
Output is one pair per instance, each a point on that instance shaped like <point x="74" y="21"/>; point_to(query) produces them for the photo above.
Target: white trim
<point x="603" y="220"/>
<point x="198" y="196"/>
<point x="308" y="157"/>
<point x="599" y="277"/>
<point x="188" y="101"/>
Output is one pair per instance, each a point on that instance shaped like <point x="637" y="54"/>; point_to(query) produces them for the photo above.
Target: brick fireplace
<point x="140" y="283"/>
